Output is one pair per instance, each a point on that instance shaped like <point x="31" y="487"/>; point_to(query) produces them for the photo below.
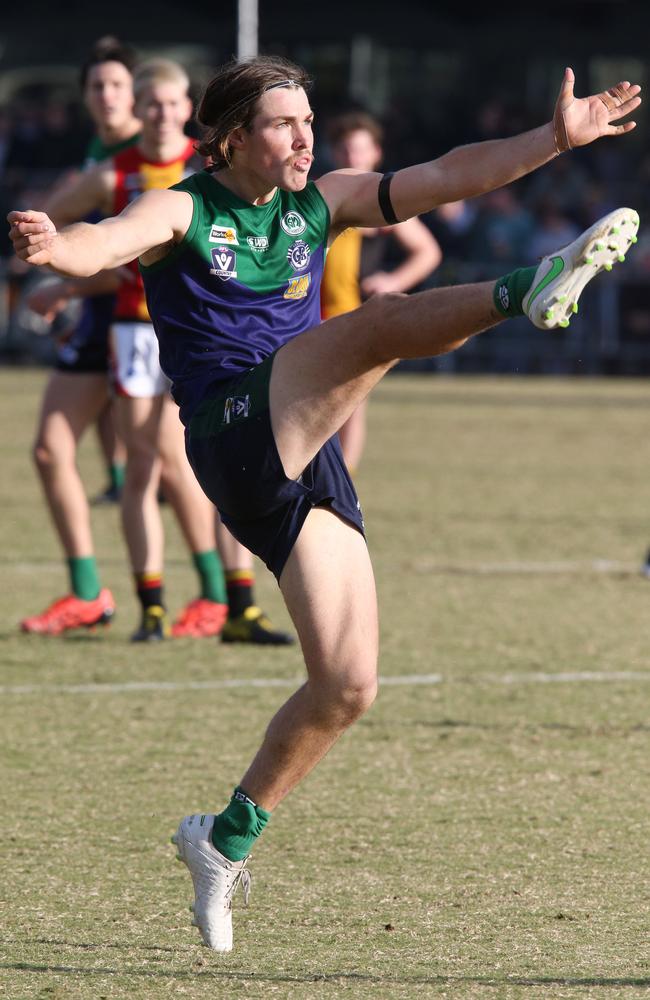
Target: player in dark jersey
<point x="147" y="416"/>
<point x="232" y="261"/>
<point x="77" y="392"/>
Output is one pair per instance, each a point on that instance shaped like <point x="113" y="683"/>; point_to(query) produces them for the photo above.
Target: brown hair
<point x="354" y="121"/>
<point x="230" y="100"/>
<point x="108" y="49"/>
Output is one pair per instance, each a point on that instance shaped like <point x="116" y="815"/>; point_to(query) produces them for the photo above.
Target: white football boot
<point x="215" y="879"/>
<point x="552" y="299"/>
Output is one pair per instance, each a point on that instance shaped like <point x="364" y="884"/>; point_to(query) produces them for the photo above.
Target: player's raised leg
<point x="320" y="377"/>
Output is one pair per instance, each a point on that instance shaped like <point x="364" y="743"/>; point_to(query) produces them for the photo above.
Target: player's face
<point x="279" y="142"/>
<point x="357" y="149"/>
<point x="164" y="109"/>
<point x="108" y="95"/>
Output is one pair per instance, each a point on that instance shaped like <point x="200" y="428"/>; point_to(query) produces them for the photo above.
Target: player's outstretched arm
<point x="157" y="219"/>
<point x="472" y="170"/>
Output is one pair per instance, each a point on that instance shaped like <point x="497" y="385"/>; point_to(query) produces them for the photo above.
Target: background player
<point x="356" y="266"/>
<point x="77" y="393"/>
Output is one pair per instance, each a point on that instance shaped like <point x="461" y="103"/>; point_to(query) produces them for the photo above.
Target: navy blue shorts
<point x="232" y="450"/>
<point x="86" y="350"/>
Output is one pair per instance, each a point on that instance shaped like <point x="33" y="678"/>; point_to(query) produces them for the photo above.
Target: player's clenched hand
<point x="48" y="302"/>
<point x="578" y="121"/>
<point x="33" y="236"/>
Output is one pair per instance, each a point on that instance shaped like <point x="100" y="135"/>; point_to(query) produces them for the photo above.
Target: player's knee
<point x="352" y="697"/>
<point x="140" y="469"/>
<point x="359" y="698"/>
<point x="44" y="455"/>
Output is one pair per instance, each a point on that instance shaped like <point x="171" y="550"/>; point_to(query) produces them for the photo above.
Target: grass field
<point x="482" y="832"/>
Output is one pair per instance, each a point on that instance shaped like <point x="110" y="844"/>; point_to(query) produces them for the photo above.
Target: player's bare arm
<point x="87" y="192"/>
<point x="472" y="170"/>
<point x="147" y="228"/>
<point x="422" y="255"/>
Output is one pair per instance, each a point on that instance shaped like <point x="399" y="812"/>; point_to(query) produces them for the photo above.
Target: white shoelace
<point x="245" y="877"/>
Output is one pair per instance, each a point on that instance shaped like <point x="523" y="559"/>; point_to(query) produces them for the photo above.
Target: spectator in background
<point x="452" y="226"/>
<point x="566" y="181"/>
<point x="503" y="229"/>
<point x="552" y="229"/>
<point x="45" y="138"/>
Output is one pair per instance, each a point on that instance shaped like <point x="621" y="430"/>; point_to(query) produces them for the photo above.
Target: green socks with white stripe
<point x="509" y="291"/>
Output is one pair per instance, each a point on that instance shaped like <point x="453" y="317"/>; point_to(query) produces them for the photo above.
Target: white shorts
<point x="134" y="361"/>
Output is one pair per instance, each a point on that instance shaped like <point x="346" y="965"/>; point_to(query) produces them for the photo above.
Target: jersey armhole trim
<point x="328" y="218"/>
<point x="181" y="247"/>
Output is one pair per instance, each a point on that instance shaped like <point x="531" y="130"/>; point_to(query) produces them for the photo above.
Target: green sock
<point x="84" y="578"/>
<point x="510" y="290"/>
<point x="237" y="828"/>
<point x="213" y="584"/>
<point x="116" y="473"/>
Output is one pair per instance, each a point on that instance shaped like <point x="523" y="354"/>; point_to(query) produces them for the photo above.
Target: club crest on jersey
<point x="298" y="255"/>
<point x="258" y="243"/>
<point x="224" y="263"/>
<point x="236" y="408"/>
<point x="223" y="234"/>
<point x="298" y="287"/>
<point x="293" y="223"/>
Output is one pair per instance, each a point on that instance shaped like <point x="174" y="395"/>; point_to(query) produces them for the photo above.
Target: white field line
<point x="534" y="568"/>
<point x="405" y="680"/>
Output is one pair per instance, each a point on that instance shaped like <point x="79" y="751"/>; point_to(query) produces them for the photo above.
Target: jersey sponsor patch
<point x="298" y="255"/>
<point x="293" y="223"/>
<point x="224" y="263"/>
<point x="258" y="243"/>
<point x="298" y="287"/>
<point x="236" y="408"/>
<point x="223" y="234"/>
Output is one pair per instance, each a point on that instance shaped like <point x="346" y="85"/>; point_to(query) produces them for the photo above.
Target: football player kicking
<point x="232" y="261"/>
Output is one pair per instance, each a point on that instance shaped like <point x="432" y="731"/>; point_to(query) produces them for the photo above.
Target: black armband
<point x="385" y="203"/>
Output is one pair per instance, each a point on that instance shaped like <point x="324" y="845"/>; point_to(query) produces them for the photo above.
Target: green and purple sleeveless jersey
<point x="245" y="280"/>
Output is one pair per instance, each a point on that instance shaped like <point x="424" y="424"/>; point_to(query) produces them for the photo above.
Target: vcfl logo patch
<point x="224" y="263"/>
<point x="236" y="408"/>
